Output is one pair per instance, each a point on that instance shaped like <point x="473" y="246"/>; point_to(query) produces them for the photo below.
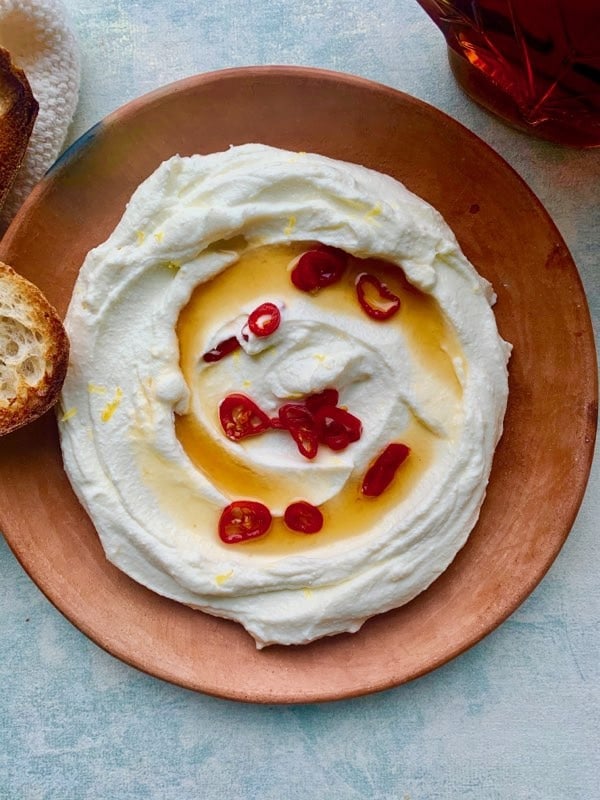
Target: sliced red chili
<point x="381" y="472"/>
<point x="316" y="420"/>
<point x="243" y="520"/>
<point x="298" y="420"/>
<point x="264" y="320"/>
<point x="241" y="417"/>
<point x="306" y="440"/>
<point x="222" y="349"/>
<point x="336" y="439"/>
<point x="337" y="427"/>
<point x="294" y="415"/>
<point x="375" y="298"/>
<point x="303" y="518"/>
<point x="332" y="432"/>
<point x="318" y="268"/>
<point x="328" y="397"/>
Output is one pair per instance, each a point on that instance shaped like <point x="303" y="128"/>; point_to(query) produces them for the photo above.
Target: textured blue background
<point x="517" y="717"/>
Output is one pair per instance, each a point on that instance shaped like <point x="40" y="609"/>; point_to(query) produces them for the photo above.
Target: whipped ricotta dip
<point x="203" y="242"/>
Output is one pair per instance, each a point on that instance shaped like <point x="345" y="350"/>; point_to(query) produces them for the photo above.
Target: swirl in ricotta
<point x="204" y="241"/>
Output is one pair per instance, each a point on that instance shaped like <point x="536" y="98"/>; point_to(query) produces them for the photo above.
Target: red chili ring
<point x="318" y="268"/>
<point x="328" y="397"/>
<point x="382" y="471"/>
<point x="381" y="306"/>
<point x="222" y="349"/>
<point x="264" y="320"/>
<point x="302" y="517"/>
<point x="333" y="422"/>
<point x="241" y="417"/>
<point x="299" y="422"/>
<point x="243" y="520"/>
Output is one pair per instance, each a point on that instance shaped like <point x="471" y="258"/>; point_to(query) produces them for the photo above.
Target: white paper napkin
<point x="40" y="41"/>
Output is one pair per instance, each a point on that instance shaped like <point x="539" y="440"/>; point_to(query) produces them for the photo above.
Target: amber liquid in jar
<point x="535" y="63"/>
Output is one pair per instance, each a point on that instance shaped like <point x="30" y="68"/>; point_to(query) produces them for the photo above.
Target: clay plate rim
<point x="550" y="424"/>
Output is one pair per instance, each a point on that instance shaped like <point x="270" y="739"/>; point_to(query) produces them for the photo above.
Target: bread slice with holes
<point x="18" y="110"/>
<point x="34" y="351"/>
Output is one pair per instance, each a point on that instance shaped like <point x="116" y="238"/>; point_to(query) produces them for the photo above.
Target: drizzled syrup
<point x="263" y="270"/>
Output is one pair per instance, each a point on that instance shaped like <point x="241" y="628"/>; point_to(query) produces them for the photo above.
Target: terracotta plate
<point x="541" y="465"/>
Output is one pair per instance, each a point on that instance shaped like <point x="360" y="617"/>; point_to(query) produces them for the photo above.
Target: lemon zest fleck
<point x="140" y="237"/>
<point x="373" y="212"/>
<point x="289" y="228"/>
<point x="68" y="414"/>
<point x="110" y="408"/>
<point x="159" y="236"/>
<point x="359" y="205"/>
<point x="95" y="389"/>
<point x="223" y="578"/>
<point x="174" y="265"/>
<point x="320" y="357"/>
<point x="308" y="593"/>
<point x="247" y="384"/>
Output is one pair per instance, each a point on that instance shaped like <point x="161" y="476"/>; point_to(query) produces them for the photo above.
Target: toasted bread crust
<point x="34" y="351"/>
<point x="18" y="111"/>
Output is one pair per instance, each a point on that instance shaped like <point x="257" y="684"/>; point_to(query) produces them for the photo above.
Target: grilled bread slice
<point x="34" y="351"/>
<point x="18" y="110"/>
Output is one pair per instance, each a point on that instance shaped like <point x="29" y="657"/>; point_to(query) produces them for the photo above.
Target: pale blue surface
<point x="515" y="718"/>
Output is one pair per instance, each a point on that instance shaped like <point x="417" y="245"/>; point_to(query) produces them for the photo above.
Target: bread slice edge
<point x="18" y="112"/>
<point x="34" y="351"/>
